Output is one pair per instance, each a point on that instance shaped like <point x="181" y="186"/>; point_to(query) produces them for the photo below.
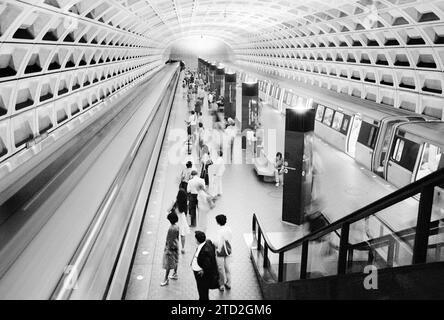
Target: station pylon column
<point x="298" y="155"/>
<point x="230" y="95"/>
<point x="212" y="77"/>
<point x="220" y="82"/>
<point x="250" y="108"/>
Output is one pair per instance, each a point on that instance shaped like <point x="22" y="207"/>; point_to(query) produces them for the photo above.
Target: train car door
<point x="366" y="142"/>
<point x="402" y="161"/>
<point x="431" y="160"/>
<point x="353" y="135"/>
<point x="382" y="148"/>
<point x="281" y="100"/>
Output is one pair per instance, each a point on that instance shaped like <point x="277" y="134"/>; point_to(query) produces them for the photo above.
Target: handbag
<point x="225" y="251"/>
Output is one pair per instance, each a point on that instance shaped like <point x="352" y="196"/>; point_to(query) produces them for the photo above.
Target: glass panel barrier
<point x="323" y="256"/>
<point x="435" y="250"/>
<point x="292" y="264"/>
<point x="384" y="240"/>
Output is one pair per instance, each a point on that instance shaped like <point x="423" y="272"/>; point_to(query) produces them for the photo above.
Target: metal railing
<point x="420" y="233"/>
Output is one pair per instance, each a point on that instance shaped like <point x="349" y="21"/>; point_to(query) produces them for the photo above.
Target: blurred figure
<point x="231" y="133"/>
<point x="205" y="205"/>
<point x="210" y="99"/>
<point x="171" y="252"/>
<point x="206" y="162"/>
<point x="317" y="202"/>
<point x="219" y="170"/>
<point x="201" y="140"/>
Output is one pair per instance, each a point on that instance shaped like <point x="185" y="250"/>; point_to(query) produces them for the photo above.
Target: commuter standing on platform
<point x="278" y="169"/>
<point x="180" y="207"/>
<point x="193" y="190"/>
<point x="206" y="162"/>
<point x="185" y="176"/>
<point x="193" y="123"/>
<point x="171" y="252"/>
<point x="204" y="266"/>
<point x="223" y="252"/>
<point x="219" y="170"/>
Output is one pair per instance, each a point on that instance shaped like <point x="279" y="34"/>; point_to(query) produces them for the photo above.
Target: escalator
<point x="344" y="260"/>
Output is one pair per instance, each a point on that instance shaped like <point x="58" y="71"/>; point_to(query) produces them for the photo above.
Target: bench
<point x="264" y="167"/>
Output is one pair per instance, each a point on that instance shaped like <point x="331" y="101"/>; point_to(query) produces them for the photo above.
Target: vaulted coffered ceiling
<point x="58" y="58"/>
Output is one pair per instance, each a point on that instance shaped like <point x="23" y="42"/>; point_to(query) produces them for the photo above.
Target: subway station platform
<point x="345" y="184"/>
<point x="239" y="183"/>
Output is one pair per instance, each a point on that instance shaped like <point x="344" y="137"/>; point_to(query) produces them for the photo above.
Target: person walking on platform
<point x="204" y="266"/>
<point x="223" y="252"/>
<point x="201" y="140"/>
<point x="180" y="207"/>
<point x="171" y="252"/>
<point x="193" y="123"/>
<point x="206" y="162"/>
<point x="185" y="176"/>
<point x="205" y="205"/>
<point x="219" y="170"/>
<point x="231" y="133"/>
<point x="193" y="190"/>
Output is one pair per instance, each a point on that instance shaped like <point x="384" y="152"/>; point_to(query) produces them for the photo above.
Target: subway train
<point x="397" y="145"/>
<point x="400" y="148"/>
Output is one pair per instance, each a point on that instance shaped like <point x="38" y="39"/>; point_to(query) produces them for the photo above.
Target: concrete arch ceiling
<point x="59" y="57"/>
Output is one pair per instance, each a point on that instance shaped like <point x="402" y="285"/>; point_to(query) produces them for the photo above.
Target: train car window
<point x="430" y="160"/>
<point x="289" y="98"/>
<point x="405" y="153"/>
<point x="320" y="113"/>
<point x="345" y="124"/>
<point x="367" y="134"/>
<point x="328" y="116"/>
<point x="337" y="121"/>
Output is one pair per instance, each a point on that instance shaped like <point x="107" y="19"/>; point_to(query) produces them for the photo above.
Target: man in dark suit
<point x="204" y="266"/>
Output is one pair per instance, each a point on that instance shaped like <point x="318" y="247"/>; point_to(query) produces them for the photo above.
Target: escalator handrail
<point x="432" y="180"/>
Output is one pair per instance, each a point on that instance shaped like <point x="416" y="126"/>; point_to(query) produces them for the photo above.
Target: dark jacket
<point x="207" y="261"/>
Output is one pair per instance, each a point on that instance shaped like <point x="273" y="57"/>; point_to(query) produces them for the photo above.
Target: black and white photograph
<point x="223" y="158"/>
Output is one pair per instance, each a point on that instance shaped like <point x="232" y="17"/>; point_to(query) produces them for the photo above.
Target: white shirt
<point x="210" y="97"/>
<point x="194" y="183"/>
<point x="194" y="265"/>
<point x="224" y="233"/>
<point x="219" y="167"/>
